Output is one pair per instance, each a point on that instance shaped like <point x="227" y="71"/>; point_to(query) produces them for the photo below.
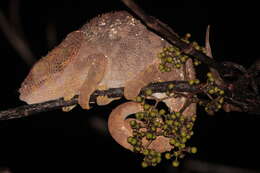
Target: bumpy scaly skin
<point x="112" y="50"/>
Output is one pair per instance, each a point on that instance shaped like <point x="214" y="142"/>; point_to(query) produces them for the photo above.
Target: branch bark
<point x="26" y="110"/>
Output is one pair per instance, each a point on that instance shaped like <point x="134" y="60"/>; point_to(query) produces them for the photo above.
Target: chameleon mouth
<point x="24" y="93"/>
<point x="27" y="95"/>
<point x="27" y="91"/>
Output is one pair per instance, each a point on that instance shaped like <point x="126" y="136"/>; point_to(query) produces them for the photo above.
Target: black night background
<point x="78" y="141"/>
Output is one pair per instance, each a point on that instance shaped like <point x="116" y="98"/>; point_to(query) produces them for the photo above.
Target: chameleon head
<point x="39" y="85"/>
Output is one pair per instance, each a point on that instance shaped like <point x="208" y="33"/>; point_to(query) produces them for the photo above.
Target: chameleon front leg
<point x="98" y="64"/>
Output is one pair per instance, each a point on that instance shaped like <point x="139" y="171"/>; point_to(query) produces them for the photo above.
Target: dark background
<point x="57" y="141"/>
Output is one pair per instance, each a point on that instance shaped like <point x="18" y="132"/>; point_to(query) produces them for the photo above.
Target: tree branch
<point x="26" y="110"/>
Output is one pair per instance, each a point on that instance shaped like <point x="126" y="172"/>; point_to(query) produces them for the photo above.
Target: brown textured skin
<point x="112" y="50"/>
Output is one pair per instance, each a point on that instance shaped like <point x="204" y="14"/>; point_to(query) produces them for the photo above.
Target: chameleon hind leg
<point x="95" y="75"/>
<point x="133" y="86"/>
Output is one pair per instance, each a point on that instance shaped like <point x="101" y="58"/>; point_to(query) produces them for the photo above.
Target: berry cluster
<point x="173" y="57"/>
<point x="153" y="123"/>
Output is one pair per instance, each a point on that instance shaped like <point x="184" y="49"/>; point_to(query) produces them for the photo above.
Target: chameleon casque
<point x="112" y="50"/>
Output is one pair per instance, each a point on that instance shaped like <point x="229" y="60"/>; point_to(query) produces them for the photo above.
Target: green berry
<point x="164" y="127"/>
<point x="221" y="100"/>
<point x="161" y="67"/>
<point x="171" y="86"/>
<point x="167" y="69"/>
<point x="169" y="59"/>
<point x="129" y="139"/>
<point x="182" y="119"/>
<point x="178" y="114"/>
<point x="211" y="79"/>
<point x="171" y="49"/>
<point x="175" y="163"/>
<point x="154" y="160"/>
<point x="184" y="140"/>
<point x="189" y="126"/>
<point x="182" y="146"/>
<point x="169" y="122"/>
<point x="137" y="149"/>
<point x="144" y="164"/>
<point x="176" y="123"/>
<point x="196" y="81"/>
<point x="177" y="53"/>
<point x="157" y="124"/>
<point x="193" y="118"/>
<point x="134" y="141"/>
<point x="209" y="75"/>
<point x="177" y="144"/>
<point x="168" y="156"/>
<point x="145" y="152"/>
<point x="193" y="150"/>
<point x="146" y="106"/>
<point x="153" y="113"/>
<point x="197" y="47"/>
<point x="152" y="152"/>
<point x="162" y="112"/>
<point x="211" y="91"/>
<point x="133" y="123"/>
<point x="139" y="115"/>
<point x="154" y="137"/>
<point x="191" y="82"/>
<point x="196" y="63"/>
<point x="216" y="89"/>
<point x="178" y="66"/>
<point x="183" y="134"/>
<point x="176" y="153"/>
<point x="221" y="92"/>
<point x="173" y="131"/>
<point x="158" y="159"/>
<point x="173" y="116"/>
<point x="165" y="133"/>
<point x="139" y="99"/>
<point x="153" y="128"/>
<point x="172" y="141"/>
<point x="184" y="58"/>
<point x="148" y="92"/>
<point x="149" y="136"/>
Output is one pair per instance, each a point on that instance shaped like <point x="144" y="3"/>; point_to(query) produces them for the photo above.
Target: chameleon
<point x="110" y="51"/>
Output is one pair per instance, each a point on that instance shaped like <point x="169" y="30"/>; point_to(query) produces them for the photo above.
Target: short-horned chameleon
<point x="112" y="50"/>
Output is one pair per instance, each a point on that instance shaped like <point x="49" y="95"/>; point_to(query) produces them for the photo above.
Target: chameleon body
<point x="112" y="50"/>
